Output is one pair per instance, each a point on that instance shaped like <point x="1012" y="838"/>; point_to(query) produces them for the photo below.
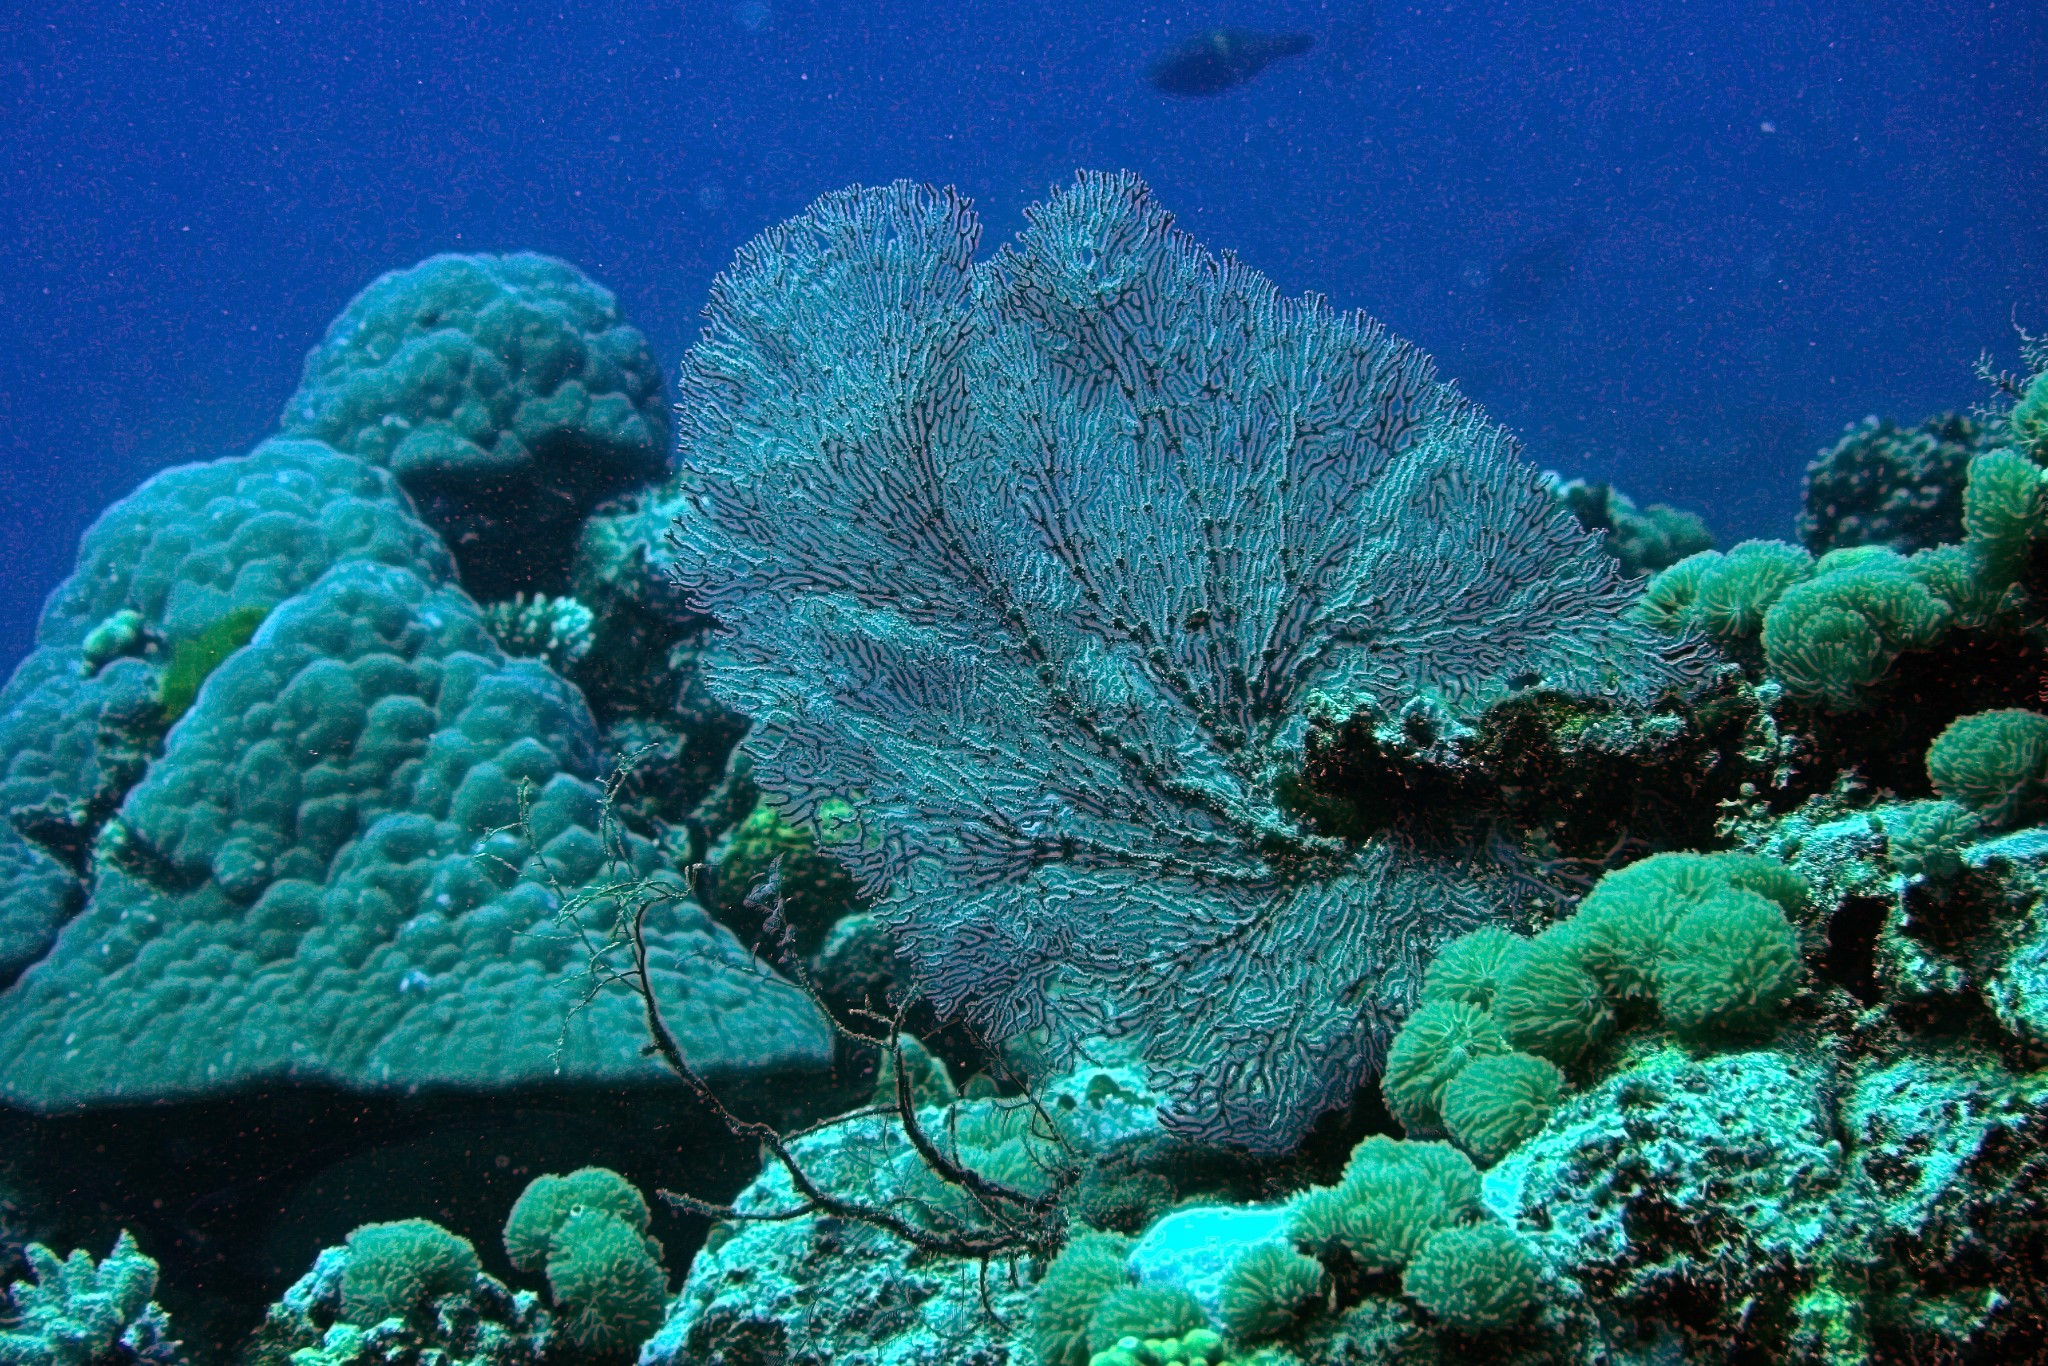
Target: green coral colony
<point x="338" y="767"/>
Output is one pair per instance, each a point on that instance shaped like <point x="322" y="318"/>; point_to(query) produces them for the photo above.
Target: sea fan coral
<point x="1049" y="558"/>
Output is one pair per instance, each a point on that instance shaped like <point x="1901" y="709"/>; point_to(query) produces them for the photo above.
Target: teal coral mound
<point x="506" y="395"/>
<point x="549" y="1201"/>
<point x="588" y="1232"/>
<point x="782" y="1288"/>
<point x="188" y="550"/>
<point x="1995" y="763"/>
<point x="395" y="1268"/>
<point x="607" y="1282"/>
<point x="307" y="885"/>
<point x="1037" y="716"/>
<point x="1479" y="1278"/>
<point x="73" y="1311"/>
<point x="1696" y="1190"/>
<point x="1829" y="639"/>
<point x="456" y="1321"/>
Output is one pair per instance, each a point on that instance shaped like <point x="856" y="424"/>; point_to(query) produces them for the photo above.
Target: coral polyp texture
<point x="308" y="882"/>
<point x="1048" y="558"/>
<point x="504" y="392"/>
<point x="258" y="776"/>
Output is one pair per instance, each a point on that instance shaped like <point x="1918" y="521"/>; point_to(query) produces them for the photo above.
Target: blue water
<point x="1797" y="214"/>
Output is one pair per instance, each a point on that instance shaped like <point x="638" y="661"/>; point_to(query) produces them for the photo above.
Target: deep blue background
<point x="186" y="198"/>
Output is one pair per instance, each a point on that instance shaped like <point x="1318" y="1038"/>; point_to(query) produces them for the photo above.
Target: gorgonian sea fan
<point x="1041" y="560"/>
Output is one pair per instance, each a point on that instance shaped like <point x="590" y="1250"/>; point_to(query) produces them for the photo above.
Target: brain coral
<point x="504" y="392"/>
<point x="294" y="890"/>
<point x="180" y="554"/>
<point x="1047" y="558"/>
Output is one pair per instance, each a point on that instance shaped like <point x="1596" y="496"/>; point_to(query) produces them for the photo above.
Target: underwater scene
<point x="788" y="683"/>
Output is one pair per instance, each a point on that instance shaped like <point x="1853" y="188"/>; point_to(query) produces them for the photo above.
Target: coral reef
<point x="1642" y="540"/>
<point x="1169" y="712"/>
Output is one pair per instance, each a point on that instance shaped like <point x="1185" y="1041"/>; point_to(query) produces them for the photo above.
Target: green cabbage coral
<point x="1995" y="763"/>
<point x="1725" y="594"/>
<point x="1470" y="968"/>
<point x="1392" y="1196"/>
<point x="608" y="1284"/>
<point x="1266" y="1289"/>
<point x="548" y="1202"/>
<point x="1626" y="919"/>
<point x="1143" y="1311"/>
<point x="1088" y="1270"/>
<point x="1729" y="965"/>
<point x="2002" y="510"/>
<point x="1550" y="1005"/>
<point x="1497" y="1103"/>
<point x="395" y="1268"/>
<point x="1480" y="1278"/>
<point x="1437" y="1040"/>
<point x="2028" y="422"/>
<point x="588" y="1231"/>
<point x="1828" y="639"/>
<point x="1388" y="1215"/>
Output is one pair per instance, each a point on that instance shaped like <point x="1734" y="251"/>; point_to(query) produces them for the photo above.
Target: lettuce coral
<point x="1496" y="1103"/>
<point x="1995" y="763"/>
<point x="1096" y="701"/>
<point x="1730" y="964"/>
<point x="395" y="1268"/>
<point x="1481" y="1278"/>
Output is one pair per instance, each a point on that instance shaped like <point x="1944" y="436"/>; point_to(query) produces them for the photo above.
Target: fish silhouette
<point x="1211" y="63"/>
<point x="1529" y="281"/>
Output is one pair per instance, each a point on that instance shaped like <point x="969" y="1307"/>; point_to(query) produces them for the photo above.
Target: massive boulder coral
<point x="315" y="881"/>
<point x="184" y="551"/>
<point x="507" y="396"/>
<point x="1049" y="558"/>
